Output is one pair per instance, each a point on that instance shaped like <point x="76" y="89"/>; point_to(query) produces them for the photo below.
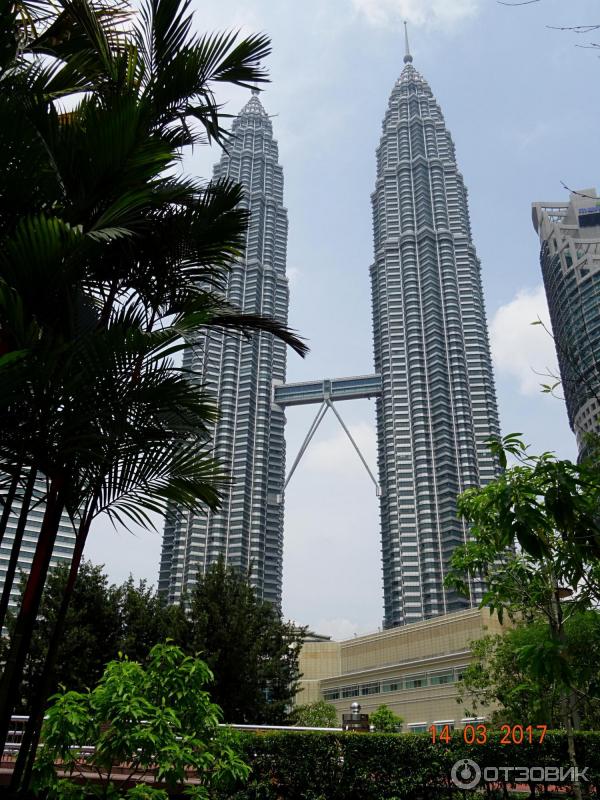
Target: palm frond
<point x="239" y="63"/>
<point x="109" y="265"/>
<point x="176" y="68"/>
<point x="231" y="319"/>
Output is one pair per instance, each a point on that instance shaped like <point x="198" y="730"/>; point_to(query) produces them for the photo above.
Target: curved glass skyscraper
<point x="438" y="403"/>
<point x="249" y="436"/>
<point x="570" y="260"/>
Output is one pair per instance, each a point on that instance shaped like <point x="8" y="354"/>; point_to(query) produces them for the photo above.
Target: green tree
<point x="500" y="675"/>
<point x="92" y="631"/>
<point x="384" y="720"/>
<point x="157" y="720"/>
<point x="252" y="652"/>
<point x="550" y="507"/>
<point x="102" y="621"/>
<point x="315" y="715"/>
<point x="146" y="620"/>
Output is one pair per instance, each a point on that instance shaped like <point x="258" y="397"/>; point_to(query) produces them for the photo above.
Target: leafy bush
<point x="316" y="715"/>
<point x="158" y="721"/>
<point x="360" y="766"/>
<point x="384" y="720"/>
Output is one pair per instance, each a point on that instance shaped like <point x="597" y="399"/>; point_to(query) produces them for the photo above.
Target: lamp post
<point x="355" y="721"/>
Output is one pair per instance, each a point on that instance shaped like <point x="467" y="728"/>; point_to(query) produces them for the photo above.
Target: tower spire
<point x="407" y="56"/>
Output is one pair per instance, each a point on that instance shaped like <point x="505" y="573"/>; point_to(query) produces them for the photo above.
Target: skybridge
<point x="358" y="387"/>
<point x="326" y="393"/>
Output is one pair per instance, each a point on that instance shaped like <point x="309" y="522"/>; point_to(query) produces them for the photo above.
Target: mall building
<point x="413" y="669"/>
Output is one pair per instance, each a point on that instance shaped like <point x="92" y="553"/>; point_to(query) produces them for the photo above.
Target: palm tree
<point x="146" y="440"/>
<point x="108" y="263"/>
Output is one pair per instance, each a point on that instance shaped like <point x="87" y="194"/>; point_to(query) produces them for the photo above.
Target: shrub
<point x="360" y="766"/>
<point x="384" y="720"/>
<point x="316" y="715"/>
<point x="158" y="720"/>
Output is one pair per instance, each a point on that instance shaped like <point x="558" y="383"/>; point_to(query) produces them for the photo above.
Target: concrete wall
<point x="317" y="660"/>
<point x="413" y="669"/>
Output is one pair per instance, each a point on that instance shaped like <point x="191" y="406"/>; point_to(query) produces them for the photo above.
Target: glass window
<point x="439" y="726"/>
<point x="392" y="685"/>
<point x="370" y="688"/>
<point x="415" y="681"/>
<point x="350" y="691"/>
<point x="441" y="677"/>
<point x="417" y="727"/>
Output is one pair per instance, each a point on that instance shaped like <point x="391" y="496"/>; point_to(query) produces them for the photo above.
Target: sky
<point x="519" y="100"/>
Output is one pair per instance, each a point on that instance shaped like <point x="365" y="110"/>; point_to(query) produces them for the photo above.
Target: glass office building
<point x="438" y="403"/>
<point x="570" y="260"/>
<point x="249" y="436"/>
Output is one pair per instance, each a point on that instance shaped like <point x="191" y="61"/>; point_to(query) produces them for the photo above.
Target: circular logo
<point x="465" y="774"/>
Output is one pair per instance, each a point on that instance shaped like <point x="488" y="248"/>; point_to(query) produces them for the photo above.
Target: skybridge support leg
<point x="356" y="447"/>
<point x="311" y="432"/>
<point x="328" y="403"/>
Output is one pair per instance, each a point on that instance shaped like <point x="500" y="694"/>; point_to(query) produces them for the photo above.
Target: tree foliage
<point x="145" y="620"/>
<point x="384" y="720"/>
<point x="550" y="508"/>
<point x="319" y="714"/>
<point x="103" y="620"/>
<point x="251" y="650"/>
<point x="157" y="720"/>
<point x="92" y="634"/>
<point x="533" y="501"/>
<point x="500" y="675"/>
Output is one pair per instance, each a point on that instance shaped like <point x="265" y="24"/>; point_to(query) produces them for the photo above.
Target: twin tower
<point x="433" y="379"/>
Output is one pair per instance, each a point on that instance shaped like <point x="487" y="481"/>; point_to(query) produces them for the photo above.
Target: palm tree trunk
<point x="27" y="751"/>
<point x="16" y="546"/>
<point x="21" y="638"/>
<point x="8" y="501"/>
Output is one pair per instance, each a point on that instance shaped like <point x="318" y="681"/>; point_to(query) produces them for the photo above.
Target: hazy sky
<point x="521" y="103"/>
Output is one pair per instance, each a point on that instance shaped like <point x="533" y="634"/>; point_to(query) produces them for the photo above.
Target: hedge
<point x="355" y="766"/>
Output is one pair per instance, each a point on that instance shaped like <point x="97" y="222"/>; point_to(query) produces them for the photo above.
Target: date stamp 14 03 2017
<point x="478" y="734"/>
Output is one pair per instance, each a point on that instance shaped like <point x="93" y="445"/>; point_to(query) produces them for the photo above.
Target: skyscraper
<point x="63" y="547"/>
<point x="249" y="436"/>
<point x="570" y="259"/>
<point x="438" y="403"/>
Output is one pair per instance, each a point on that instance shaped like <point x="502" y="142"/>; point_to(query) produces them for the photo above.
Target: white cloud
<point x="336" y="455"/>
<point x="435" y="13"/>
<point x="520" y="349"/>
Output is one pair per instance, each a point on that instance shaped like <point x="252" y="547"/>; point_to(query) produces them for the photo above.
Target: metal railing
<point x="18" y="723"/>
<point x="15" y="735"/>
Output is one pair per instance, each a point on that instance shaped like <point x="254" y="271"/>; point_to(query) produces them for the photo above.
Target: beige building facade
<point x="413" y="669"/>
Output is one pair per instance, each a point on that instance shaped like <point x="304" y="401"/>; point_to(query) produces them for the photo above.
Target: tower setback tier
<point x="438" y="403"/>
<point x="248" y="438"/>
